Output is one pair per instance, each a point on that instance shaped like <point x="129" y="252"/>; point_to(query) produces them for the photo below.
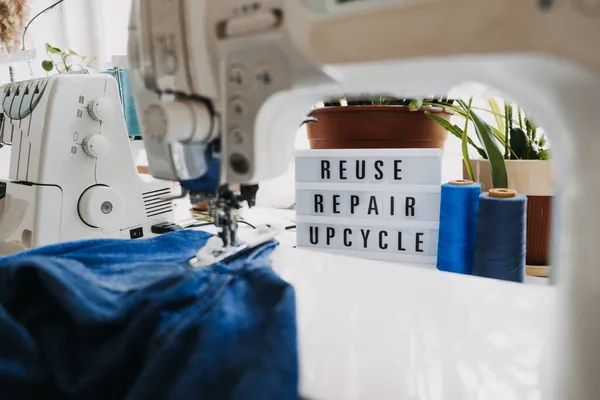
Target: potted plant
<point x="512" y="154"/>
<point x="66" y="61"/>
<point x="377" y="122"/>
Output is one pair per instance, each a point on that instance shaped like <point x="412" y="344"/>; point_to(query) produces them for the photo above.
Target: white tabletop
<point x="382" y="330"/>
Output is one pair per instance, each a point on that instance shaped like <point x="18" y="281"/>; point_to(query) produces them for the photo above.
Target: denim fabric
<point x="116" y="319"/>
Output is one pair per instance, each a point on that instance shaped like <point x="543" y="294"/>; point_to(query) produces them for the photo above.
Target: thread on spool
<point x="500" y="250"/>
<point x="458" y="226"/>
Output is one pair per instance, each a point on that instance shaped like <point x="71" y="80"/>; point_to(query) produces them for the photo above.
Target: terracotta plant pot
<point x="534" y="178"/>
<point x="375" y="127"/>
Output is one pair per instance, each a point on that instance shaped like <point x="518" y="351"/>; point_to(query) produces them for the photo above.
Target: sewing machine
<point x="222" y="86"/>
<point x="72" y="173"/>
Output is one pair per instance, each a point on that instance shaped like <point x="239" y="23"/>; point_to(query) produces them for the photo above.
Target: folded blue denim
<point x="117" y="319"/>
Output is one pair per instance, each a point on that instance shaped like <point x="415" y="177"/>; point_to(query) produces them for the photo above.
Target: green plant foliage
<point x="498" y="116"/>
<point x="510" y="139"/>
<point x="47" y="65"/>
<point x="456" y="131"/>
<point x="465" y="143"/>
<point x="507" y="127"/>
<point x="487" y="139"/>
<point x="534" y="147"/>
<point x="518" y="144"/>
<point x="415" y="105"/>
<point x="385" y="100"/>
<point x="52" y="49"/>
<point x="64" y="61"/>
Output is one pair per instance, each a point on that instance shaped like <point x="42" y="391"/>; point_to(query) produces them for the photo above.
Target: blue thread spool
<point x="127" y="101"/>
<point x="500" y="249"/>
<point x="458" y="226"/>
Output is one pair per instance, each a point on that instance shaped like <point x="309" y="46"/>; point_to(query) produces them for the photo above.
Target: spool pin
<point x="502" y="193"/>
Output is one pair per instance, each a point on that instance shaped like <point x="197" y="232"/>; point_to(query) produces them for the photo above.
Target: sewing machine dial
<point x="96" y="145"/>
<point x="101" y="206"/>
<point x="100" y="109"/>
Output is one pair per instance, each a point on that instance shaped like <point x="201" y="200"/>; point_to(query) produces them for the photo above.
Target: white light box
<point x="420" y="203"/>
<point x="412" y="242"/>
<point x="372" y="203"/>
<point x="392" y="166"/>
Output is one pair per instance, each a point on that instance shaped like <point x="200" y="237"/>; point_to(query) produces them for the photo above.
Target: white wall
<point x="99" y="29"/>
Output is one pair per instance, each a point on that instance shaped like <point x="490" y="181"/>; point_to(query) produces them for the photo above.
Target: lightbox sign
<point x="375" y="203"/>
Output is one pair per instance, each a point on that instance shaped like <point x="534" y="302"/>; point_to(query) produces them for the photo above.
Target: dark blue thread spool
<point x="459" y="208"/>
<point x="500" y="251"/>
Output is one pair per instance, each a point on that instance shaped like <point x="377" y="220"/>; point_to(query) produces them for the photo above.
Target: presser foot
<point x="222" y="206"/>
<point x="215" y="250"/>
<point x="225" y="245"/>
<point x="227" y="203"/>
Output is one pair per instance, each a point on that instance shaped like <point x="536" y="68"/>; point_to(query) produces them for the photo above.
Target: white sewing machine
<point x="243" y="73"/>
<point x="72" y="173"/>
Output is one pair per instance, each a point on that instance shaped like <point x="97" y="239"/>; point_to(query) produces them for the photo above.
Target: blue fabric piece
<point x="117" y="319"/>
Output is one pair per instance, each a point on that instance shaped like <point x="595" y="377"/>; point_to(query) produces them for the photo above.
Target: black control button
<point x="165" y="227"/>
<point x="136" y="233"/>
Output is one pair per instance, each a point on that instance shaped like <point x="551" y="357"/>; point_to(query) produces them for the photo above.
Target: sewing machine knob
<point x="101" y="206"/>
<point x="100" y="109"/>
<point x="96" y="145"/>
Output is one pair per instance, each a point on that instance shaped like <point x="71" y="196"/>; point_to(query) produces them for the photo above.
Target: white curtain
<point x="89" y="27"/>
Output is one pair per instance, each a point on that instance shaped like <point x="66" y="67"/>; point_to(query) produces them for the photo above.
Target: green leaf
<point x="533" y="128"/>
<point x="456" y="131"/>
<point x="52" y="49"/>
<point x="465" y="149"/>
<point x="506" y="144"/>
<point x="497" y="114"/>
<point x="71" y="52"/>
<point x="520" y="114"/>
<point x="533" y="153"/>
<point x="332" y="103"/>
<point x="415" y="105"/>
<point x="47" y="65"/>
<point x="518" y="143"/>
<point x="542" y="141"/>
<point x="544" y="154"/>
<point x="499" y="136"/>
<point x="487" y="139"/>
<point x="528" y="129"/>
<point x="458" y="110"/>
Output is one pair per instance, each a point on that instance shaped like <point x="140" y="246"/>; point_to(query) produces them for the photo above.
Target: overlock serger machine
<point x="72" y="173"/>
<point x="222" y="87"/>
